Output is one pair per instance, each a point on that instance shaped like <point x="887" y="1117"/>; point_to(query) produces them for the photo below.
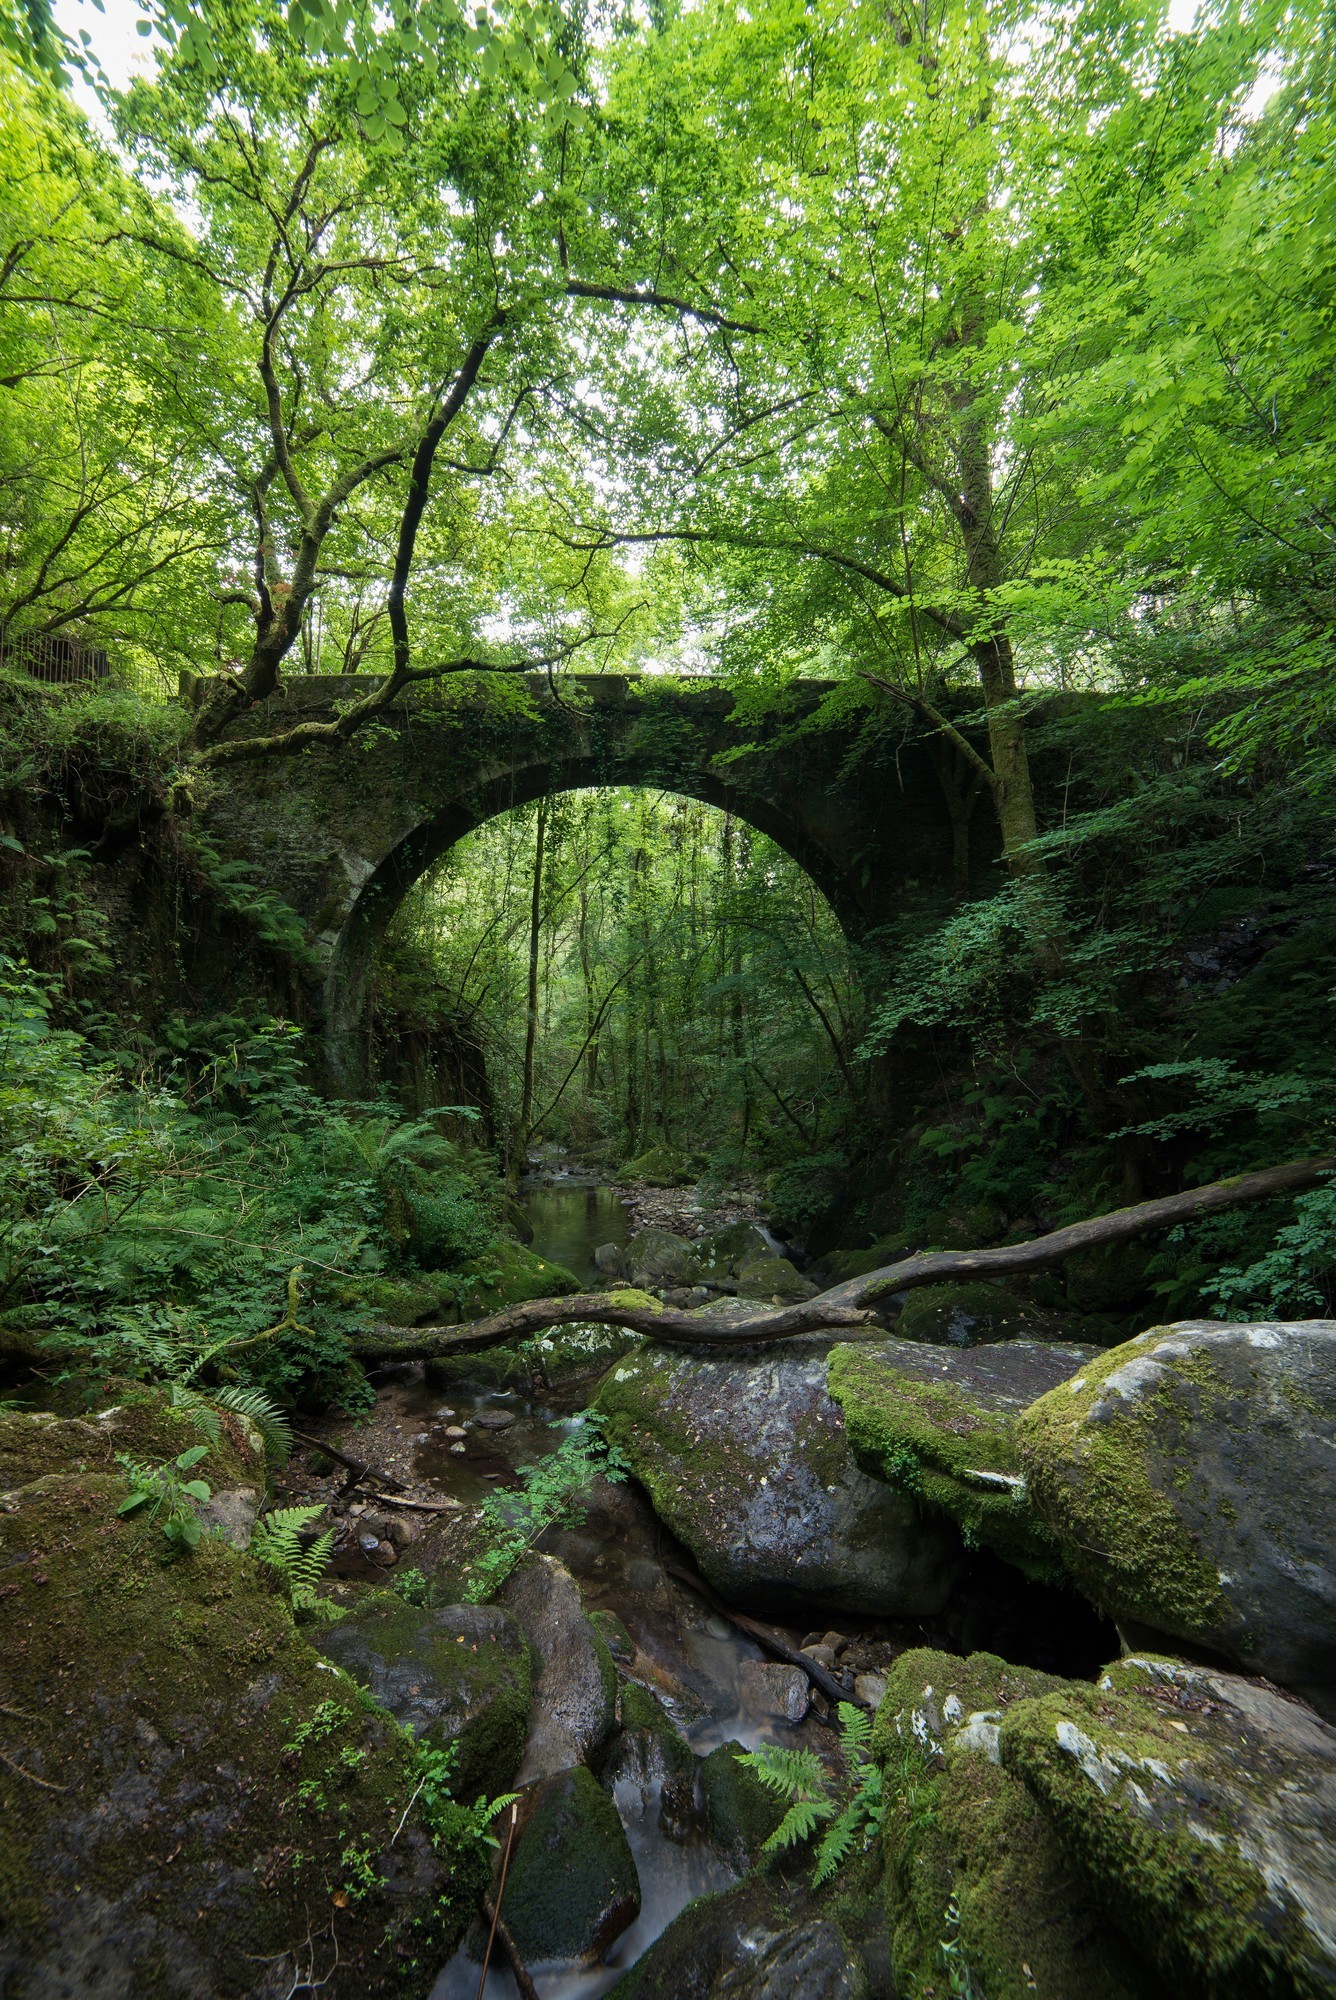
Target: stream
<point x="689" y="1655"/>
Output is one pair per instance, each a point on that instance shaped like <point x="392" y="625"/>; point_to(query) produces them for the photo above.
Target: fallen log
<point x="849" y="1304"/>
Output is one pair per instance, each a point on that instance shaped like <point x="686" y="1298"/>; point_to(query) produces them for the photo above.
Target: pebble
<point x="455" y="1431"/>
<point x="495" y="1420"/>
<point x="459" y="1447"/>
<point x="718" y="1628"/>
<point x="870" y="1688"/>
<point x="443" y="1413"/>
<point x="821" y="1656"/>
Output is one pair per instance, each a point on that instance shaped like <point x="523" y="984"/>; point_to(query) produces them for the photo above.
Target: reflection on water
<point x="569" y="1223"/>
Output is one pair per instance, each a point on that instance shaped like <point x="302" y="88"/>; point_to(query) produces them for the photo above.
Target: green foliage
<point x="803" y="1782"/>
<point x="550" y="1494"/>
<point x="277" y="1543"/>
<point x="151" y="1226"/>
<point x="454" y="1826"/>
<point x="169" y="1496"/>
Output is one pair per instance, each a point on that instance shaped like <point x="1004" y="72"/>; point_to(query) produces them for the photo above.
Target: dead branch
<point x="849" y="1304"/>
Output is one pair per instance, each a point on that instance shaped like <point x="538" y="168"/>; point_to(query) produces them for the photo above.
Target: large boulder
<point x="966" y="1314"/>
<point x="194" y="1802"/>
<point x="575" y="1687"/>
<point x="572" y="1887"/>
<point x="723" y="1251"/>
<point x="1201" y="1809"/>
<point x="1190" y="1479"/>
<point x="773" y="1278"/>
<point x="973" y="1864"/>
<point x="458" y="1676"/>
<point x="657" y="1257"/>
<point x="940" y="1426"/>
<point x="745" y="1458"/>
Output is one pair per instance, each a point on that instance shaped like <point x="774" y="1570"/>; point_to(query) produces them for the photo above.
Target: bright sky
<point x="124" y="53"/>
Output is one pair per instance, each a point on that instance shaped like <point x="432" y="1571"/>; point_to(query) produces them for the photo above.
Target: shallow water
<point x="570" y="1220"/>
<point x="691" y="1657"/>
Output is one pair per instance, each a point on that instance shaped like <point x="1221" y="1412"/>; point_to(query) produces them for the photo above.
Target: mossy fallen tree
<point x="852" y="1303"/>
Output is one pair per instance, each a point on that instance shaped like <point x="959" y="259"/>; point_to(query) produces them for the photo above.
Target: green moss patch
<point x="947" y="1440"/>
<point x="980" y="1894"/>
<point x="572" y="1887"/>
<point x="1198" y="1807"/>
<point x="1091" y="1460"/>
<point x="185" y="1783"/>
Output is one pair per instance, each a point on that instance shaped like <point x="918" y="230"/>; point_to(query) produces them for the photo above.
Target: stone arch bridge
<point x="342" y="831"/>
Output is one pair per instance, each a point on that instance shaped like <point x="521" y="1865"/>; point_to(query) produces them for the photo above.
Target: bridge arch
<point x="353" y="952"/>
<point x="342" y="831"/>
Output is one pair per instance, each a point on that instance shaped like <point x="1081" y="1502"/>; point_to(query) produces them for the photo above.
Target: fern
<point x="800" y="1778"/>
<point x="260" y="1410"/>
<point x="277" y="1543"/>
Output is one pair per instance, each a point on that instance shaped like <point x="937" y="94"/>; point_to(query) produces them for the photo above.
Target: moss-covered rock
<point x="981" y="1893"/>
<point x="650" y="1750"/>
<point x="192" y="1800"/>
<point x="773" y="1278"/>
<point x="740" y="1812"/>
<point x="618" y="1640"/>
<point x="722" y="1252"/>
<point x="580" y="1351"/>
<point x="459" y="1675"/>
<point x="941" y="1427"/>
<point x="575" y="1685"/>
<point x="745" y="1943"/>
<point x="967" y="1314"/>
<point x="746" y="1460"/>
<point x="1188" y="1478"/>
<point x="572" y="1888"/>
<point x="661" y="1257"/>
<point x="1202" y="1809"/>
<point x="661" y="1166"/>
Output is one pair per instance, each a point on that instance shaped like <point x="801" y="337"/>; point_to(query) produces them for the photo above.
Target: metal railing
<point x="53" y="656"/>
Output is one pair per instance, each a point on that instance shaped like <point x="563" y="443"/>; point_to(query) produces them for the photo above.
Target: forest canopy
<point x="974" y="361"/>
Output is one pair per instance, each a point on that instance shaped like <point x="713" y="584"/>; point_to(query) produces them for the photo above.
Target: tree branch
<point x="846" y="1305"/>
<point x="631" y="295"/>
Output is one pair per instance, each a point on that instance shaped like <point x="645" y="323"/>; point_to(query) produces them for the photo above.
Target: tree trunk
<point x="520" y="1142"/>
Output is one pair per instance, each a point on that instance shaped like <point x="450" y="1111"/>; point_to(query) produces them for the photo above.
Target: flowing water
<point x="620" y="1554"/>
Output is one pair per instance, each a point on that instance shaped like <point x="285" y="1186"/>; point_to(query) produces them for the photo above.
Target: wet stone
<point x="572" y="1887"/>
<point x="771" y="1689"/>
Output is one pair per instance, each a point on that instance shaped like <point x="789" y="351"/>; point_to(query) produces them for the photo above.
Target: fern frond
<point x="268" y="1419"/>
<point x="790" y="1774"/>
<point x="855" y="1731"/>
<point x="800" y="1822"/>
<point x="836" y="1843"/>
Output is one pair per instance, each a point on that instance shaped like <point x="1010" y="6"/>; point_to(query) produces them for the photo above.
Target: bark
<point x="522" y="1130"/>
<point x="849" y="1304"/>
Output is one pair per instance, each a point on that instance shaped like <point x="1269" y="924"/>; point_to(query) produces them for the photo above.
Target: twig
<point x="500" y="1892"/>
<point x="770" y="1639"/>
<point x="31" y="1776"/>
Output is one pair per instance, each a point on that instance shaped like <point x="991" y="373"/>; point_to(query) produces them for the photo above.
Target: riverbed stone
<point x="457" y="1675"/>
<point x="745" y="1458"/>
<point x="744" y="1943"/>
<point x="1201" y="1807"/>
<point x="1189" y="1477"/>
<point x="575" y="1686"/>
<point x="769" y="1688"/>
<point x="940" y="1425"/>
<point x="973" y="1863"/>
<point x="572" y="1887"/>
<point x="163" y="1720"/>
